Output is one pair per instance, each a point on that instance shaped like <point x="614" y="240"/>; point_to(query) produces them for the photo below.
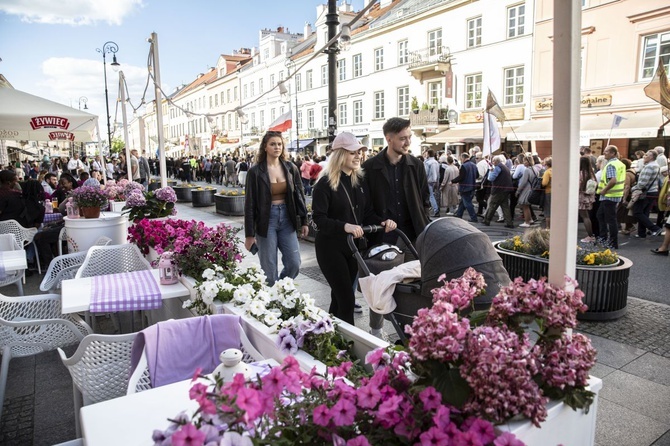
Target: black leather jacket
<point x="259" y="199"/>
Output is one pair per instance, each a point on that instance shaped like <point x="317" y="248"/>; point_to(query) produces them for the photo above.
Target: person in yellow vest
<point x="610" y="189"/>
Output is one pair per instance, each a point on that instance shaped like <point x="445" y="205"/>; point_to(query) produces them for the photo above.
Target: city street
<point x="633" y="356"/>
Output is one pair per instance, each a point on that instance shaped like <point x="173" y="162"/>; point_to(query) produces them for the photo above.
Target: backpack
<point x="443" y="169"/>
<point x="536" y="196"/>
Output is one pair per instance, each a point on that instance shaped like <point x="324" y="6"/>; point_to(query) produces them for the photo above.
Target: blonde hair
<point x="334" y="169"/>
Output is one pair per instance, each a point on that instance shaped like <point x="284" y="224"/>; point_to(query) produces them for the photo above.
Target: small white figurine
<point x="231" y="365"/>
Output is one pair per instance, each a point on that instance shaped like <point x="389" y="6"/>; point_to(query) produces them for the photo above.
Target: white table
<point x="76" y="293"/>
<point x="131" y="419"/>
<point x="14" y="260"/>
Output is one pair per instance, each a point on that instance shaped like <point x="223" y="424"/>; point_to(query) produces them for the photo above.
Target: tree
<point x="118" y="145"/>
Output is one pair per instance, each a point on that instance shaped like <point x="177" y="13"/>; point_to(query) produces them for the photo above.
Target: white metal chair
<point x="99" y="368"/>
<point x="62" y="237"/>
<point x="102" y="260"/>
<point x="65" y="267"/>
<point x="140" y="380"/>
<point x="31" y="325"/>
<point x="8" y="243"/>
<point x="24" y="236"/>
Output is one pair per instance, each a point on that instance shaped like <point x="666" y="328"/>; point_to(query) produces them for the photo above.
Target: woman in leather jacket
<point x="274" y="209"/>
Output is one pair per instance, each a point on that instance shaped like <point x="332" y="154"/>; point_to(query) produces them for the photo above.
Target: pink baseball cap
<point x="347" y="141"/>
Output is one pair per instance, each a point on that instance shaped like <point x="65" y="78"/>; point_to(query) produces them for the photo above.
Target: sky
<point x="48" y="48"/>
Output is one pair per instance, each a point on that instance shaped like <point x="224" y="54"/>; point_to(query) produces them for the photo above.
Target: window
<point x="222" y="96"/>
<point x="228" y="96"/>
<point x="324" y="115"/>
<point x="342" y="69"/>
<point x="474" y="32"/>
<point x="272" y="81"/>
<point x="654" y="47"/>
<point x="310" y="118"/>
<point x="473" y="91"/>
<point x="324" y="75"/>
<point x="434" y="42"/>
<point x="379" y="59"/>
<point x="272" y="115"/>
<point x="230" y="122"/>
<point x="216" y="100"/>
<point x="516" y="17"/>
<point x="261" y="117"/>
<point x="435" y="93"/>
<point x="358" y="112"/>
<point x="281" y="75"/>
<point x="260" y="86"/>
<point x="245" y="91"/>
<point x="252" y="89"/>
<point x="403" y="101"/>
<point x="266" y="53"/>
<point x="237" y="121"/>
<point x="210" y="102"/>
<point x="403" y="53"/>
<point x="514" y="85"/>
<point x="235" y="93"/>
<point x="252" y="121"/>
<point x="298" y="119"/>
<point x="308" y="80"/>
<point x="358" y="65"/>
<point x="343" y="114"/>
<point x="379" y="105"/>
<point x="298" y="82"/>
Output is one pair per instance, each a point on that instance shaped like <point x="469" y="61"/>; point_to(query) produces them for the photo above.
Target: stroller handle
<point x="369" y="229"/>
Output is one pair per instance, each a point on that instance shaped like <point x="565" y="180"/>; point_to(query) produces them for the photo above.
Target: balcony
<point x="429" y="63"/>
<point x="431" y="118"/>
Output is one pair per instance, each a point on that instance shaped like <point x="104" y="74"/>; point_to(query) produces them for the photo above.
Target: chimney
<point x="308" y="30"/>
<point x="280" y="29"/>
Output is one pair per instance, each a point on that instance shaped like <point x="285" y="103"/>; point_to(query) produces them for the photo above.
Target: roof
<point x="201" y="80"/>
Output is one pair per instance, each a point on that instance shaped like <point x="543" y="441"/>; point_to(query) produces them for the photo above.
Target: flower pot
<point x="183" y="193"/>
<point x="172" y="183"/>
<point x="229" y="204"/>
<point x="90" y="211"/>
<point x="202" y="198"/>
<point x="116" y="206"/>
<point x="605" y="287"/>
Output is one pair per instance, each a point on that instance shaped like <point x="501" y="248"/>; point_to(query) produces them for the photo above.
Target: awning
<point x="253" y="147"/>
<point x="642" y="124"/>
<point x="225" y="147"/>
<point x="17" y="149"/>
<point x="472" y="134"/>
<point x="303" y="143"/>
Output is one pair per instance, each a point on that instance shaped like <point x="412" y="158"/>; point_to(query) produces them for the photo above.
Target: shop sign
<point x="49" y="122"/>
<point x="587" y="101"/>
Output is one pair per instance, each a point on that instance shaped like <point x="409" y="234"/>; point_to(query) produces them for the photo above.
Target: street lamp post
<point x="290" y="64"/>
<point x="108" y="47"/>
<point x="83" y="100"/>
<point x="332" y="51"/>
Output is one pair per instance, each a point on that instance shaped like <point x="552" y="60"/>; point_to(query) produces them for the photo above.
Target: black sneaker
<point x="358" y="308"/>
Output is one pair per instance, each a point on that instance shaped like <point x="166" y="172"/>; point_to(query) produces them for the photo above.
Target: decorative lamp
<point x="167" y="270"/>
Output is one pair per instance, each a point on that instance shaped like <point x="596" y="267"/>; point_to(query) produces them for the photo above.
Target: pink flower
<point x="368" y="396"/>
<point x="197" y="374"/>
<point x="249" y="400"/>
<point x="197" y="391"/>
<point x="321" y="415"/>
<point x="361" y="440"/>
<point x="188" y="435"/>
<point x="434" y="436"/>
<point x="430" y="398"/>
<point x="442" y="418"/>
<point x="507" y="439"/>
<point x="483" y="429"/>
<point x="273" y="382"/>
<point x="343" y="412"/>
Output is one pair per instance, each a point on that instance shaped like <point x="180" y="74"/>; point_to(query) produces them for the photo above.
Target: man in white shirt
<point x="661" y="159"/>
<point x="134" y="166"/>
<point x="74" y="165"/>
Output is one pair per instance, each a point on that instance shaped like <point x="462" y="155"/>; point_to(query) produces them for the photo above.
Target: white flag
<point x="616" y="121"/>
<point x="491" y="134"/>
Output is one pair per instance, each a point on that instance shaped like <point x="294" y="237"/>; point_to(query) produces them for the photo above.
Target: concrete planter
<point x="202" y="197"/>
<point x="229" y="204"/>
<point x="605" y="287"/>
<point x="184" y="193"/>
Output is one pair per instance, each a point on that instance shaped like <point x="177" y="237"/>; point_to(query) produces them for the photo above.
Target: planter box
<point x="183" y="193"/>
<point x="605" y="287"/>
<point x="562" y="426"/>
<point x="116" y="206"/>
<point x="229" y="204"/>
<point x="202" y="198"/>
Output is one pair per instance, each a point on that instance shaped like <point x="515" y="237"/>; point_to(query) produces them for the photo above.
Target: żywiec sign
<point x="49" y="122"/>
<point x="587" y="101"/>
<point x="69" y="136"/>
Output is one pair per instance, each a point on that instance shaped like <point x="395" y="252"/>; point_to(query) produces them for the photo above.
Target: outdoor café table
<point x="131" y="419"/>
<point x="12" y="261"/>
<point x="77" y="293"/>
<point x="50" y="218"/>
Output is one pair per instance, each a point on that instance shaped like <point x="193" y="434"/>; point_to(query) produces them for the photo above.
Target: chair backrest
<point x="101" y="366"/>
<point x="24" y="236"/>
<point x="114" y="259"/>
<point x="8" y="243"/>
<point x="62" y="268"/>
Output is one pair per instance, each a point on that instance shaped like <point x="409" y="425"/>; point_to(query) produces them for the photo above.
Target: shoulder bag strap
<point x="350" y="204"/>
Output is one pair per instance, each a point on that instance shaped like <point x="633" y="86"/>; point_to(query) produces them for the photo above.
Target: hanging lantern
<point x="167" y="270"/>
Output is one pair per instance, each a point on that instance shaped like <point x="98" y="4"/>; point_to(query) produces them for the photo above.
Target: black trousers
<point x="609" y="226"/>
<point x="339" y="268"/>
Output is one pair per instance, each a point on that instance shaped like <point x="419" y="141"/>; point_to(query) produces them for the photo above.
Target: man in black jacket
<point x="397" y="182"/>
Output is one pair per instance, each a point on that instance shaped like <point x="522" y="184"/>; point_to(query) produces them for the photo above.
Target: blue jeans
<point x="466" y="203"/>
<point x="431" y="196"/>
<point x="282" y="235"/>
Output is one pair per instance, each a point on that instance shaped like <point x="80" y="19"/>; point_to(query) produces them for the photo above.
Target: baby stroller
<point x="446" y="246"/>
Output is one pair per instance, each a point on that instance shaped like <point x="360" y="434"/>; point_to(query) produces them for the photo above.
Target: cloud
<point x="71" y="12"/>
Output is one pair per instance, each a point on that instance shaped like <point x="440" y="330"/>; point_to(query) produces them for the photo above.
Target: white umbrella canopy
<point x="31" y="118"/>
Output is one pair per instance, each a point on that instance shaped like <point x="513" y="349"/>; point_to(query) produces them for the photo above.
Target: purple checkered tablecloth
<point x="50" y="218"/>
<point x="136" y="290"/>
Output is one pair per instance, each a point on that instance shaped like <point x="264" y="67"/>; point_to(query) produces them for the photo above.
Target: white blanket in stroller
<point x="378" y="289"/>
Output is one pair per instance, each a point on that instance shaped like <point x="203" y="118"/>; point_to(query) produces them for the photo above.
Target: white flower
<point x="242" y="294"/>
<point x="265" y="296"/>
<point x="271" y="319"/>
<point x="256" y="308"/>
<point x="208" y="274"/>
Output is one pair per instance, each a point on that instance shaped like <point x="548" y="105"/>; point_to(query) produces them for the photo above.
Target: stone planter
<point x="229" y="204"/>
<point x="605" y="287"/>
<point x="202" y="197"/>
<point x="183" y="193"/>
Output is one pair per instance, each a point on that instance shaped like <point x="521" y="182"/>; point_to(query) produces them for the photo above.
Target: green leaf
<point x="454" y="389"/>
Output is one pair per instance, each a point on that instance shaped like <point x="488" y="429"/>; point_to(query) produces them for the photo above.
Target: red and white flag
<point x="282" y="123"/>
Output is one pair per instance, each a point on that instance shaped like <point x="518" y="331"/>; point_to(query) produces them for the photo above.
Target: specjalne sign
<point x="587" y="101"/>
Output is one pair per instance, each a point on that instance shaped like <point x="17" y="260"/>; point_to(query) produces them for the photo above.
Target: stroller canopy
<point x="451" y="245"/>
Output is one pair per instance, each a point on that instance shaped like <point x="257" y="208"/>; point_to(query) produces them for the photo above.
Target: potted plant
<point x="157" y="203"/>
<point x="183" y="192"/>
<point x="415" y="105"/>
<point x="89" y="199"/>
<point x="118" y="192"/>
<point x="203" y="196"/>
<point x="229" y="202"/>
<point x="601" y="271"/>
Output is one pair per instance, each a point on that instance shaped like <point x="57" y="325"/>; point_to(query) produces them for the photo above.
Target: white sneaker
<point x="524" y="225"/>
